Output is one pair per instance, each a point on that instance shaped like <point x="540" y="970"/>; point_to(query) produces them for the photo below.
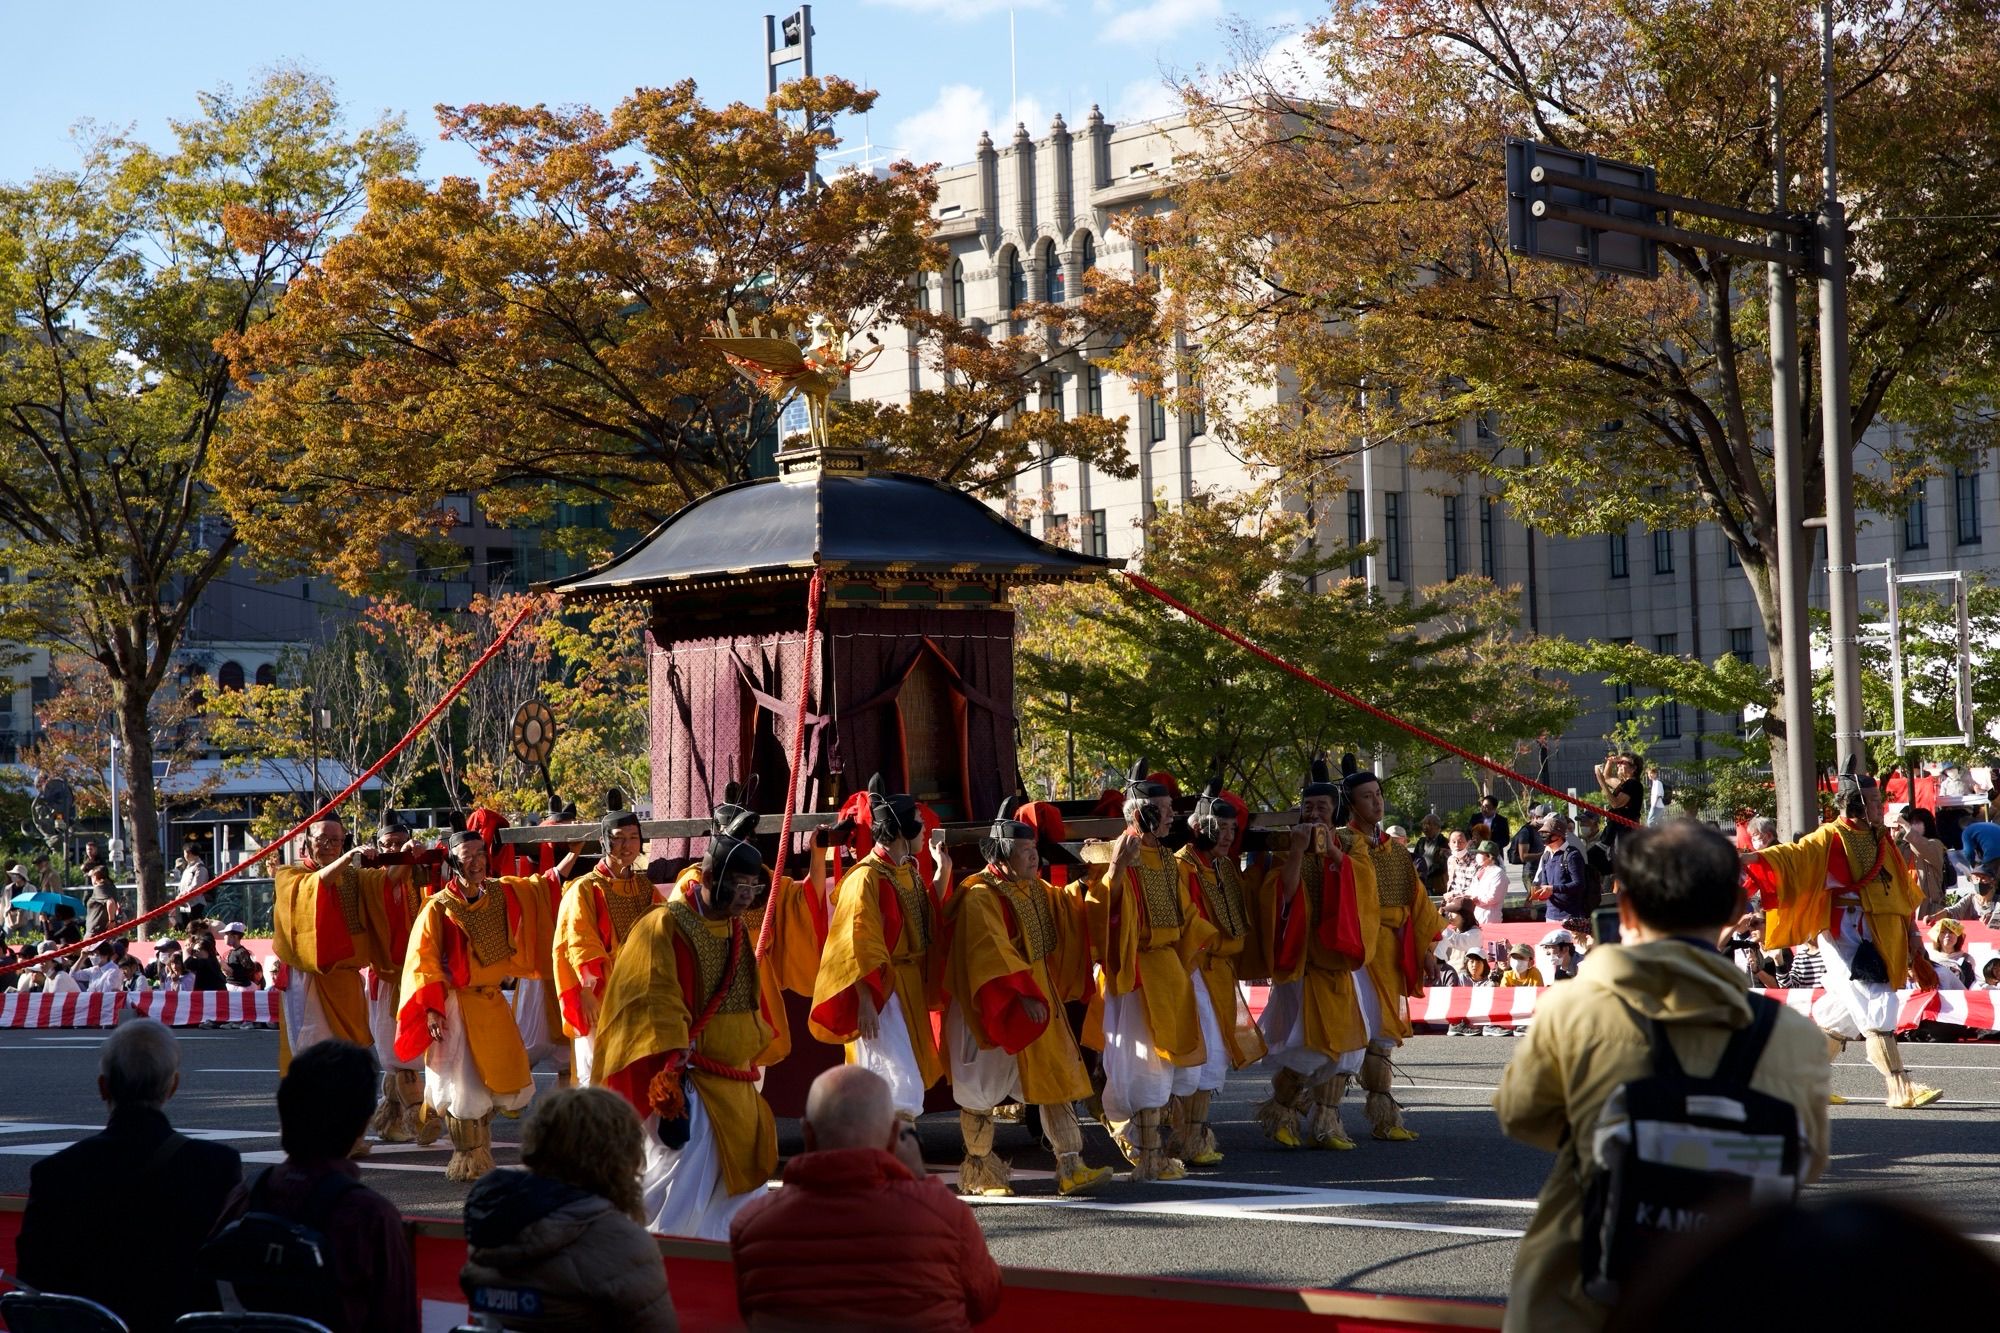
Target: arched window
<point x="1089" y="253"/>
<point x="958" y="289"/>
<point x="1052" y="271"/>
<point x="267" y="674"/>
<point x="1017" y="281"/>
<point x="229" y="676"/>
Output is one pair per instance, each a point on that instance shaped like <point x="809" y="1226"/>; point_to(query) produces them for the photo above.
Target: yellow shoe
<point x="1082" y="1180"/>
<point x="1835" y="1099"/>
<point x="1921" y="1094"/>
<point x="1212" y="1157"/>
<point x="997" y="1192"/>
<point x="1396" y="1134"/>
<point x="1335" y="1142"/>
<point x="1171" y="1168"/>
<point x="1286" y="1137"/>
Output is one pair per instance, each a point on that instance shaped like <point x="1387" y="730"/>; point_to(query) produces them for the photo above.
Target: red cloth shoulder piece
<point x="413" y="1031"/>
<point x="1002" y="1015"/>
<point x="334" y="942"/>
<point x="1340" y="914"/>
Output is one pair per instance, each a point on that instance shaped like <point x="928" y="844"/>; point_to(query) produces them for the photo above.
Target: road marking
<point x="1227" y="1210"/>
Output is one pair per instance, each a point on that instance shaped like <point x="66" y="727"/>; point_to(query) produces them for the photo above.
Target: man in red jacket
<point x="860" y="1237"/>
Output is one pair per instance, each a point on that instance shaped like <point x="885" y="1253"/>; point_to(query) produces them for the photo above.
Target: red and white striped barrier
<point x="98" y="1009"/>
<point x="1512" y="1006"/>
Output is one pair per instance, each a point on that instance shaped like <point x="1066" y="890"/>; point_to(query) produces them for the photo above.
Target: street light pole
<point x="1801" y="812"/>
<point x="1843" y="593"/>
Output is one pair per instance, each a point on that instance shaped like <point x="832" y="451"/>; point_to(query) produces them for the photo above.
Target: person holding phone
<point x="1148" y="938"/>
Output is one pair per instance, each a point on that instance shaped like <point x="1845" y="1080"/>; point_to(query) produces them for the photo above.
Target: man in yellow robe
<point x="1323" y="931"/>
<point x="1223" y="898"/>
<point x="474" y="934"/>
<point x="1400" y="958"/>
<point x="1845" y="886"/>
<point x="333" y="914"/>
<point x="1020" y="948"/>
<point x="1147" y="937"/>
<point x="598" y="913"/>
<point x="882" y="971"/>
<point x="682" y="1033"/>
<point x="400" y="1117"/>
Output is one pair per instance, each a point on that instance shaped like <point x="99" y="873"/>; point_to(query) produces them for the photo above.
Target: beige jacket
<point x="1583" y="1044"/>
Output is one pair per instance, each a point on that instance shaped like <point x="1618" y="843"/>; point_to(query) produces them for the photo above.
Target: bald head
<point x="849" y="1107"/>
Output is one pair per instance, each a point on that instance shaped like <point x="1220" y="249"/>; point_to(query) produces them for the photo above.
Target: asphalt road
<point x="1437" y="1217"/>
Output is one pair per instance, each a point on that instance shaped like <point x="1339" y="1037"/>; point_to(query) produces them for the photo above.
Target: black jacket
<point x="76" y="1239"/>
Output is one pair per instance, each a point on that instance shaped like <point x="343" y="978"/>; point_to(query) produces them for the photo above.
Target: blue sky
<point x="940" y="65"/>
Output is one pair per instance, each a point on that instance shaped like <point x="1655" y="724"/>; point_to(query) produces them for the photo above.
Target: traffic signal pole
<point x="1843" y="595"/>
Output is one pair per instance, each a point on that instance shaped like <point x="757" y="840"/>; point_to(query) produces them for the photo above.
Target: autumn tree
<point x="74" y="725"/>
<point x="539" y="336"/>
<point x="116" y="280"/>
<point x="1352" y="241"/>
<point x="1109" y="672"/>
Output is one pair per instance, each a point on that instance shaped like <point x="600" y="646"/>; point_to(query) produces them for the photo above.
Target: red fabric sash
<point x="1340" y="912"/>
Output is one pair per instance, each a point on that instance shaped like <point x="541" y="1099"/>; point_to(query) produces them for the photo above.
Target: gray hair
<point x="139" y="1063"/>
<point x="1764" y="824"/>
<point x="1134" y="804"/>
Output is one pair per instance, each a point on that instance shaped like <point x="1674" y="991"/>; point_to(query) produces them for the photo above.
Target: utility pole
<point x="1801" y="812"/>
<point x="1843" y="596"/>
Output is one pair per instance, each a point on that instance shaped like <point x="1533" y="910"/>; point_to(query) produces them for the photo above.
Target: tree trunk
<point x="135" y="735"/>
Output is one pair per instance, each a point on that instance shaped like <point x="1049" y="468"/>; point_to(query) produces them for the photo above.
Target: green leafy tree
<point x="116" y="281"/>
<point x="1108" y="672"/>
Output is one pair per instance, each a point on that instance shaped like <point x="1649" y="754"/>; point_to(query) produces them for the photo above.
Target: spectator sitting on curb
<point x="568" y="1230"/>
<point x="1681" y="884"/>
<point x="859" y="1237"/>
<point x="1560" y="947"/>
<point x="1522" y="970"/>
<point x="120" y="1257"/>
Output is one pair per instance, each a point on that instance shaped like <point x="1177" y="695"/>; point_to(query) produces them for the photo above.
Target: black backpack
<point x="1643" y="1188"/>
<point x="266" y="1262"/>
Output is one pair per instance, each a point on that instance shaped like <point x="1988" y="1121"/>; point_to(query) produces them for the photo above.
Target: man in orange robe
<point x="684" y="1029"/>
<point x="1323" y="930"/>
<point x="1147" y="937"/>
<point x="597" y="915"/>
<point x="1223" y="898"/>
<point x="1020" y="948"/>
<point x="474" y="934"/>
<point x="882" y="970"/>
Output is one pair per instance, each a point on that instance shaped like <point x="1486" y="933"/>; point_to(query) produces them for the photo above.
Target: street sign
<point x="1540" y="215"/>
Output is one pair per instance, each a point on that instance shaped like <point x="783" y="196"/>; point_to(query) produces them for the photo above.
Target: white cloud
<point x="960" y="11"/>
<point x="1145" y="99"/>
<point x="1292" y="66"/>
<point x="948" y="130"/>
<point x="1158" y="20"/>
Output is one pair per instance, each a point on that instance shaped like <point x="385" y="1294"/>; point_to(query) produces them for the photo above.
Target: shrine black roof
<point x="874" y="522"/>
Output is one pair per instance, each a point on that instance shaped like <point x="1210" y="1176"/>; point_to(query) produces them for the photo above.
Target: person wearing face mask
<point x="1323" y="932"/>
<point x="475" y="933"/>
<point x="1225" y="900"/>
<point x="684" y="1031"/>
<point x="1020" y="948"/>
<point x="1147" y="936"/>
<point x="880" y="976"/>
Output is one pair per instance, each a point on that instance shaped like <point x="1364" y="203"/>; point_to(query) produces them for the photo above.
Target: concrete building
<point x="1026" y="219"/>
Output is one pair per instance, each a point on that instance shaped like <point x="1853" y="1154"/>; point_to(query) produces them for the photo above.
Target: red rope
<point x="813" y="592"/>
<point x="417" y="729"/>
<point x="1153" y="589"/>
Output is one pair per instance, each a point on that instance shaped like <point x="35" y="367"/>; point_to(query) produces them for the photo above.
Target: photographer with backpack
<point x="1645" y="1046"/>
<point x="315" y="1241"/>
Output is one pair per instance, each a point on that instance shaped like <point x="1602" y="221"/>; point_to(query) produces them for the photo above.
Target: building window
<point x="1620" y="567"/>
<point x="1096" y="537"/>
<point x="1156" y="420"/>
<point x="1668" y="645"/>
<point x="1452" y="563"/>
<point x="1197" y="421"/>
<point x="267" y="674"/>
<point x="1088" y="260"/>
<point x="1357" y="533"/>
<point x="1052" y="274"/>
<point x="1663" y="553"/>
<point x="1055" y="529"/>
<point x="1052" y="396"/>
<point x="229" y="676"/>
<point x="1392" y="534"/>
<point x="1965" y="485"/>
<point x="958" y="289"/>
<point x="1017" y="281"/>
<point x="499" y="566"/>
<point x="1621" y="696"/>
<point x="924" y="292"/>
<point x="1093" y="392"/>
<point x="1489" y="556"/>
<point x="1739" y="645"/>
<point x="1916" y="522"/>
<point x="1729" y="555"/>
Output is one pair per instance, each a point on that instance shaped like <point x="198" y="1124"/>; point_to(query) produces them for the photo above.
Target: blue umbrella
<point x="45" y="902"/>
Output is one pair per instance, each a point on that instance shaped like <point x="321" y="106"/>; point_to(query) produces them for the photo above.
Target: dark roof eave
<point x="637" y="590"/>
